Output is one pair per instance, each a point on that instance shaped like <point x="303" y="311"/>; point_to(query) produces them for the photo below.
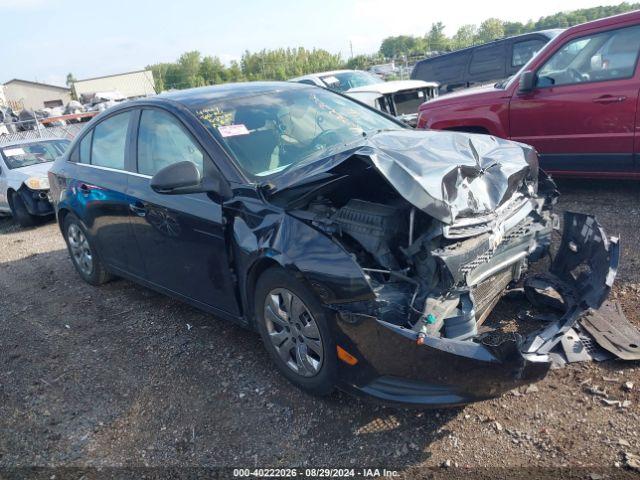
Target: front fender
<point x="465" y="116"/>
<point x="278" y="238"/>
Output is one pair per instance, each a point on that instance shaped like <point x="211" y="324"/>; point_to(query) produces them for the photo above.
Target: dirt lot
<point x="122" y="376"/>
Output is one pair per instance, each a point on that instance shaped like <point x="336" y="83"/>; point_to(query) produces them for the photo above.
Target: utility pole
<point x="351" y="46"/>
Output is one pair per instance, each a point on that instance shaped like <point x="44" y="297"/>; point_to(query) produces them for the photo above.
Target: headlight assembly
<point x="37" y="183"/>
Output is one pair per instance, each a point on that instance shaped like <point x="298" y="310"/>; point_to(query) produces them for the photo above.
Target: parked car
<point x="364" y="252"/>
<point x="575" y="102"/>
<point x="384" y="70"/>
<point x="24" y="185"/>
<point x="482" y="64"/>
<point x="400" y="98"/>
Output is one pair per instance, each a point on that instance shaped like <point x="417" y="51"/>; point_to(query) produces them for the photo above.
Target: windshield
<point x="344" y="81"/>
<point x="26" y="154"/>
<point x="269" y="132"/>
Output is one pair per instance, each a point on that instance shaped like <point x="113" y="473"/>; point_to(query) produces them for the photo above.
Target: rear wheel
<point x="83" y="254"/>
<point x="294" y="328"/>
<point x="20" y="212"/>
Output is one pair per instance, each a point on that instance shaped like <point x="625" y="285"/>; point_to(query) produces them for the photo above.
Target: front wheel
<point x="83" y="254"/>
<point x="294" y="328"/>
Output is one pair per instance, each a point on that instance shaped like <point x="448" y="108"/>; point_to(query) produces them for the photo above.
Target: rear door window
<point x="488" y="62"/>
<point x="109" y="142"/>
<point x="85" y="148"/>
<point x="445" y="69"/>
<point x="523" y="51"/>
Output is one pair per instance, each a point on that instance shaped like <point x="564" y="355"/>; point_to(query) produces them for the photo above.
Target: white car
<point x="400" y="98"/>
<point x="24" y="185"/>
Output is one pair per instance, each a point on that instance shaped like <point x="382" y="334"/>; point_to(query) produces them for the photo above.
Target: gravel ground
<point x="122" y="376"/>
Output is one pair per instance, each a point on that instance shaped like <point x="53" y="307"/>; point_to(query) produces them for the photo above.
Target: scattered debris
<point x="616" y="403"/>
<point x="573" y="348"/>
<point x="497" y="426"/>
<point x="446" y="463"/>
<point x="632" y="461"/>
<point x="532" y="389"/>
<point x="628" y="386"/>
<point x="612" y="331"/>
<point x="595" y="390"/>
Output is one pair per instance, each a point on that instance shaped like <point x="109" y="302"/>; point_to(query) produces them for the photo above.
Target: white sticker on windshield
<point x="13" y="152"/>
<point x="233" y="130"/>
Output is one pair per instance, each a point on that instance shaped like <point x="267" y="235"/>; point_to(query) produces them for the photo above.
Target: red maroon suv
<point x="575" y="102"/>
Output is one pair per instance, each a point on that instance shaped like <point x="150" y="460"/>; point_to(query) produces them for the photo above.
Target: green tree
<point x="363" y="62"/>
<point x="212" y="70"/>
<point x="464" y="37"/>
<point x="234" y="73"/>
<point x="393" y="47"/>
<point x="282" y="64"/>
<point x="189" y="70"/>
<point x="436" y="39"/>
<point x="489" y="30"/>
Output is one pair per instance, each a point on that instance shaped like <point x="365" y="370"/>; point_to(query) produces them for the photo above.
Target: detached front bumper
<point x="37" y="202"/>
<point x="395" y="369"/>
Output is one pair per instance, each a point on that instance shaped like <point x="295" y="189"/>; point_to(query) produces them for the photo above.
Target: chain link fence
<point x="35" y="129"/>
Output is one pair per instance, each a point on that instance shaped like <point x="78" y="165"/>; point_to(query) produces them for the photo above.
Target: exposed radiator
<point x="487" y="293"/>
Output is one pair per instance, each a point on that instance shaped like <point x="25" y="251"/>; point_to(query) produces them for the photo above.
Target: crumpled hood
<point x="448" y="175"/>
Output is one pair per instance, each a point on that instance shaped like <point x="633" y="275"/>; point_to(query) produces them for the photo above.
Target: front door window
<point x="599" y="57"/>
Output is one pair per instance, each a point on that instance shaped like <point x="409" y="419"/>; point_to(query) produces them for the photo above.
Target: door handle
<point x="610" y="99"/>
<point x="138" y="208"/>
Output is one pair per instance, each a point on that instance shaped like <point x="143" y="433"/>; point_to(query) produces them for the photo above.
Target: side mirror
<point x="177" y="178"/>
<point x="527" y="82"/>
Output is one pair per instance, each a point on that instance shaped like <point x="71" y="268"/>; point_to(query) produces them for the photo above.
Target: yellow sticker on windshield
<point x="215" y="117"/>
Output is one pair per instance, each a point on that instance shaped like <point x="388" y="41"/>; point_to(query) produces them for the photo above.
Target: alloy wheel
<point x="80" y="249"/>
<point x="293" y="332"/>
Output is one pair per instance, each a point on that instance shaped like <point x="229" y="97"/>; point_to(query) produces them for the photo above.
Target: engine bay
<point x="437" y="279"/>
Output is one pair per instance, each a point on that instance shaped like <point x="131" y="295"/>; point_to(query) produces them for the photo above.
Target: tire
<point x="20" y="212"/>
<point x="83" y="253"/>
<point x="316" y="374"/>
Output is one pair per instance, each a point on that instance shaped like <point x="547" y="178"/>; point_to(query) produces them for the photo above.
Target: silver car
<point x="400" y="98"/>
<point x="24" y="186"/>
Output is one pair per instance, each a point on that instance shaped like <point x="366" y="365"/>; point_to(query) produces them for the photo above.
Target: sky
<point x="43" y="40"/>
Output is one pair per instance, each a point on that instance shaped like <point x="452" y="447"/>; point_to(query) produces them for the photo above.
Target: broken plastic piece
<point x="612" y="331"/>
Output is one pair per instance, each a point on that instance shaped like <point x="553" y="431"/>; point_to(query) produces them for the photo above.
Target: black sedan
<point x="366" y="254"/>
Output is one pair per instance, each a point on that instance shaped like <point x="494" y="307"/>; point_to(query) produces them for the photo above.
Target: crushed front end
<point x="442" y="227"/>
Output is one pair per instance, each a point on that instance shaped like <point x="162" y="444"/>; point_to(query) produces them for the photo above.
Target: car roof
<point x="324" y="74"/>
<point x="194" y="98"/>
<point x="5" y="143"/>
<point x="549" y="33"/>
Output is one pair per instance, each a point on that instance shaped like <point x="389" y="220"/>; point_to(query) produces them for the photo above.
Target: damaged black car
<point x="367" y="255"/>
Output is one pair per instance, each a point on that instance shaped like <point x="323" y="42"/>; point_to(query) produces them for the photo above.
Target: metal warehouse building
<point x="21" y="94"/>
<point x="131" y="84"/>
